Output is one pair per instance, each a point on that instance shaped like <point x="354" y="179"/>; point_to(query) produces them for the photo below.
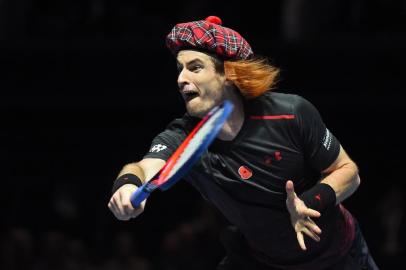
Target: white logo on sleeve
<point x="157" y="148"/>
<point x="327" y="139"/>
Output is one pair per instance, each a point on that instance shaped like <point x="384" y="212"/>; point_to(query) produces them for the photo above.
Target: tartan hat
<point x="208" y="35"/>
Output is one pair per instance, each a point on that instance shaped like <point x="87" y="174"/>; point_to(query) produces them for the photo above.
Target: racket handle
<point x="139" y="196"/>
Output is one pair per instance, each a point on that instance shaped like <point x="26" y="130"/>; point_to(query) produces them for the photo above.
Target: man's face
<point x="199" y="83"/>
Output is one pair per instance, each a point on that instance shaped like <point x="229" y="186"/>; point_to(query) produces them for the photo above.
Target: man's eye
<point x="196" y="68"/>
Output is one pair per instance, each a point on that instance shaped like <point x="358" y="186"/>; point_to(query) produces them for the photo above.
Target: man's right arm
<point x="120" y="203"/>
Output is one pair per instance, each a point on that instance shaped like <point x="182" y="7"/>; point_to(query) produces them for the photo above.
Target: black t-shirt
<point x="282" y="138"/>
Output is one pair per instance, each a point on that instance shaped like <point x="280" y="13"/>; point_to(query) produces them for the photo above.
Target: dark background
<point x="85" y="86"/>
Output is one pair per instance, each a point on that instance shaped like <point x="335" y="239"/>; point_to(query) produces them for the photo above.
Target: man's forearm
<point x="133" y="168"/>
<point x="344" y="180"/>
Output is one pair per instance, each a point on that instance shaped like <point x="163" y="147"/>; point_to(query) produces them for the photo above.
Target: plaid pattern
<point x="208" y="36"/>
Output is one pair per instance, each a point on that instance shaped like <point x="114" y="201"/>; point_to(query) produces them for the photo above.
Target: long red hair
<point x="253" y="77"/>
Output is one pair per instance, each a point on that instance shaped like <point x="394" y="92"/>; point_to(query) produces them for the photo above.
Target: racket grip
<point x="139" y="196"/>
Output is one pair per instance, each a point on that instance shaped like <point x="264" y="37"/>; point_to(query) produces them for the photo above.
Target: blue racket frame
<point x="145" y="190"/>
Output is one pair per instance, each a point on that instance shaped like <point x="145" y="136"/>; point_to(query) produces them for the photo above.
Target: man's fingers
<point x="119" y="203"/>
<point x="311" y="213"/>
<point x="311" y="234"/>
<point x="120" y="209"/>
<point x="290" y="190"/>
<point x="127" y="206"/>
<point x="116" y="206"/>
<point x="300" y="239"/>
<point x="113" y="207"/>
<point x="313" y="226"/>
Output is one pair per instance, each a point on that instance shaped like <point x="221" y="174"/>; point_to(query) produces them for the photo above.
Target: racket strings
<point x="196" y="141"/>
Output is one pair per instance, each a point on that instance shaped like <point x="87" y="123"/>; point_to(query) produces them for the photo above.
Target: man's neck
<point x="234" y="123"/>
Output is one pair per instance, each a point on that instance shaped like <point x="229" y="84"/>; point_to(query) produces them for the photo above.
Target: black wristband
<point x="320" y="197"/>
<point x="127" y="178"/>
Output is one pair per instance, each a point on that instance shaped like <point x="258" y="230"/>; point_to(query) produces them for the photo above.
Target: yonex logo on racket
<point x="157" y="148"/>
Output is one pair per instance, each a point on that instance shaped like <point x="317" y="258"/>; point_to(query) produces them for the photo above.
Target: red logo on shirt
<point x="245" y="172"/>
<point x="268" y="159"/>
<point x="278" y="155"/>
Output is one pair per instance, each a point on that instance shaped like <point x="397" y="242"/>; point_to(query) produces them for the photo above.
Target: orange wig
<point x="253" y="77"/>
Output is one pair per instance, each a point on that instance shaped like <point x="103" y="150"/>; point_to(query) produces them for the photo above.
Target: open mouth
<point x="189" y="94"/>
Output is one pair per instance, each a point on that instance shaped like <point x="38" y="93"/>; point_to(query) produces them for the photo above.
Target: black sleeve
<point x="166" y="142"/>
<point x="321" y="147"/>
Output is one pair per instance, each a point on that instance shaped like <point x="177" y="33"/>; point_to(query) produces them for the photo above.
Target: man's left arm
<point x="342" y="176"/>
<point x="341" y="181"/>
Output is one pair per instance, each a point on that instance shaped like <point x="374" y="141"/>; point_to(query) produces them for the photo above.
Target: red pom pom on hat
<point x="214" y="19"/>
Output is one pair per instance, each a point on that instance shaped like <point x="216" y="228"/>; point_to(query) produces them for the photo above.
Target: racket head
<point x="194" y="146"/>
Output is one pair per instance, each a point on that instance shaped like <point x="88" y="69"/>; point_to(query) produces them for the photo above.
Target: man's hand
<point x="120" y="203"/>
<point x="300" y="216"/>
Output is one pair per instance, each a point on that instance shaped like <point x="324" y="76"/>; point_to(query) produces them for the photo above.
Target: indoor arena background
<point x="85" y="86"/>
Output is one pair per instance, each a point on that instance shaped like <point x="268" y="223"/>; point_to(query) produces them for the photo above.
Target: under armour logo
<point x="268" y="159"/>
<point x="157" y="148"/>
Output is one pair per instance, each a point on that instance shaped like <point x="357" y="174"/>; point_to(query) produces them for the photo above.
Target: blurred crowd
<point x="294" y="20"/>
<point x="189" y="245"/>
<point x="192" y="245"/>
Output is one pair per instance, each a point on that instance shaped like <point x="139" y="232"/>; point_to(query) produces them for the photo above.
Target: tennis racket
<point x="187" y="153"/>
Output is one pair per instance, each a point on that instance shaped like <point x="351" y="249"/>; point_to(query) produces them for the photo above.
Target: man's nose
<point x="183" y="77"/>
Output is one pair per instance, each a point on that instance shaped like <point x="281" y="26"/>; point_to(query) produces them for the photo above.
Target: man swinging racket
<point x="274" y="170"/>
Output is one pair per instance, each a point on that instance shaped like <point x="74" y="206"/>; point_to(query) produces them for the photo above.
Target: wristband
<point x="320" y="197"/>
<point x="127" y="178"/>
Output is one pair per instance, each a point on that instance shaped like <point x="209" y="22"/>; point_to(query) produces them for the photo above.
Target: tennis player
<point x="275" y="171"/>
